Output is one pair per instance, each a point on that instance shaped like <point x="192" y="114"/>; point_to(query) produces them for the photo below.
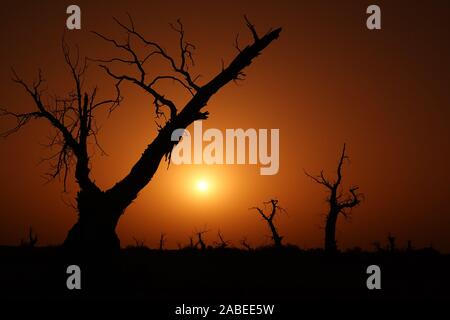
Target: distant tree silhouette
<point x="162" y="240"/>
<point x="73" y="119"/>
<point x="245" y="244"/>
<point x="391" y="242"/>
<point x="337" y="201"/>
<point x="277" y="239"/>
<point x="191" y="244"/>
<point x="31" y="241"/>
<point x="377" y="246"/>
<point x="409" y="246"/>
<point x="222" y="243"/>
<point x="139" y="243"/>
<point x="200" y="242"/>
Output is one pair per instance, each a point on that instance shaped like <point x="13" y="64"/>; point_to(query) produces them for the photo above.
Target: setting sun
<point x="202" y="186"/>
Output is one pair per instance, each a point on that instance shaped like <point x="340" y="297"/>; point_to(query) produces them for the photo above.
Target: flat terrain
<point x="172" y="277"/>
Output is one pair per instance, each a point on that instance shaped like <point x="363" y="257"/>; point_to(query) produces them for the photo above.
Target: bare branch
<point x="21" y="120"/>
<point x="339" y="168"/>
<point x="72" y="117"/>
<point x="236" y="44"/>
<point x="158" y="78"/>
<point x="353" y="200"/>
<point x="261" y="212"/>
<point x="252" y="29"/>
<point x="186" y="50"/>
<point x="320" y="179"/>
<point x="159" y="101"/>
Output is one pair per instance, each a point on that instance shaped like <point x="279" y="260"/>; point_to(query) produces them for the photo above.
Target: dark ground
<point x="290" y="278"/>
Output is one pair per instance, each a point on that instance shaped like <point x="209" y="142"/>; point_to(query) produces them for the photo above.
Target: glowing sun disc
<point x="202" y="186"/>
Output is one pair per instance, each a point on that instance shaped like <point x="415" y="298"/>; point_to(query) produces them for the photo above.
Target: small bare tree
<point x="392" y="247"/>
<point x="245" y="244"/>
<point x="200" y="242"/>
<point x="269" y="219"/>
<point x="337" y="201"/>
<point x="377" y="246"/>
<point x="222" y="244"/>
<point x="409" y="246"/>
<point x="31" y="241"/>
<point x="191" y="242"/>
<point x="162" y="240"/>
<point x="139" y="243"/>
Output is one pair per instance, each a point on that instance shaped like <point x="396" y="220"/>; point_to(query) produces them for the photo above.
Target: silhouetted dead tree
<point x="73" y="118"/>
<point x="391" y="242"/>
<point x="139" y="243"/>
<point x="200" y="242"/>
<point x="246" y="245"/>
<point x="338" y="203"/>
<point x="162" y="240"/>
<point x="31" y="241"/>
<point x="191" y="242"/>
<point x="409" y="246"/>
<point x="377" y="246"/>
<point x="277" y="239"/>
<point x="222" y="244"/>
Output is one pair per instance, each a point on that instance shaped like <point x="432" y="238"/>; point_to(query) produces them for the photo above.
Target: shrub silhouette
<point x="31" y="241"/>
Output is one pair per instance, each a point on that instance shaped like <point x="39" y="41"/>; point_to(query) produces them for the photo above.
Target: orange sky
<point x="326" y="81"/>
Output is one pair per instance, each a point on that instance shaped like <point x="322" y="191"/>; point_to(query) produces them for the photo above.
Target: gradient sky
<point x="326" y="81"/>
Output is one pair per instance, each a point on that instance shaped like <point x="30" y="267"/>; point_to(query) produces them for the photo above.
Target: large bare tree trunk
<point x="275" y="236"/>
<point x="96" y="225"/>
<point x="330" y="231"/>
<point x="106" y="208"/>
<point x="73" y="118"/>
